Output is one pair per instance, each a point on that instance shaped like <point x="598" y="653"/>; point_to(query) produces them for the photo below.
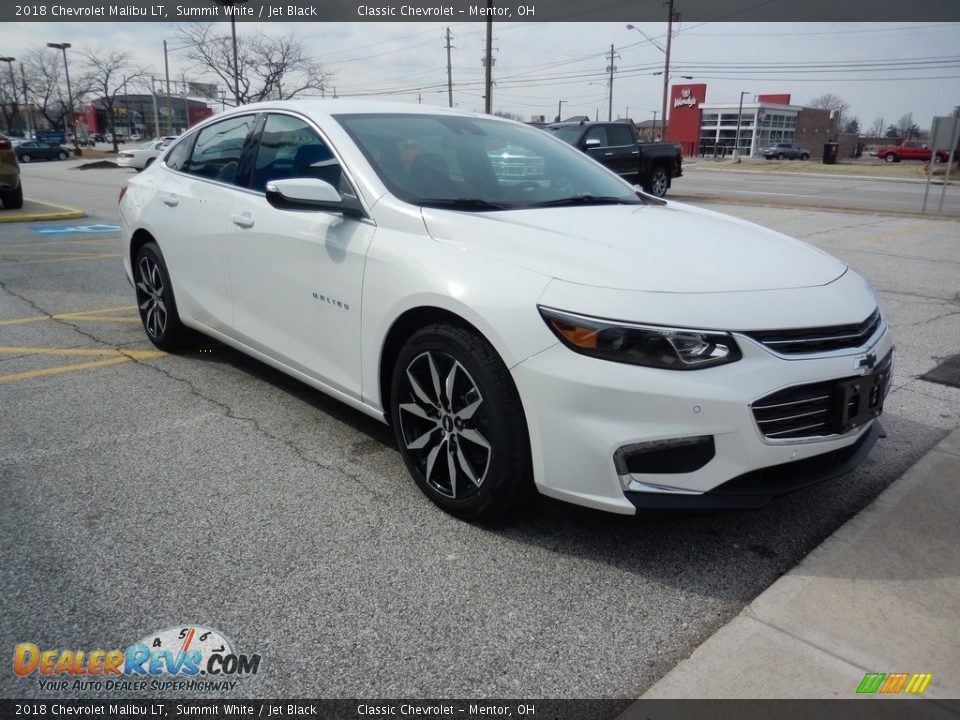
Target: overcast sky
<point x="879" y="70"/>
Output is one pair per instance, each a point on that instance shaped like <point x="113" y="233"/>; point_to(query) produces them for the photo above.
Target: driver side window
<point x="289" y="148"/>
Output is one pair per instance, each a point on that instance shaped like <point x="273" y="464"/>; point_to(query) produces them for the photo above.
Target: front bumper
<point x="581" y="411"/>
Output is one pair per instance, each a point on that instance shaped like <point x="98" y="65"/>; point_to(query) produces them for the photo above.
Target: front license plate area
<point x="861" y="400"/>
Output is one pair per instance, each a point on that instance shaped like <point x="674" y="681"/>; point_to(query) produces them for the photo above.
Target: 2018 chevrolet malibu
<point x="561" y="332"/>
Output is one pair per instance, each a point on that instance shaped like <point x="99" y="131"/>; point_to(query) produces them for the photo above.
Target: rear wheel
<point x="158" y="308"/>
<point x="62" y="156"/>
<point x="659" y="182"/>
<point x="459" y="423"/>
<point x="12" y="199"/>
<point x="24" y="158"/>
<point x="805" y="156"/>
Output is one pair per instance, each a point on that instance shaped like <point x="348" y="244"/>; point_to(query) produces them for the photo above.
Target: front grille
<point x="821" y="339"/>
<point x="833" y="407"/>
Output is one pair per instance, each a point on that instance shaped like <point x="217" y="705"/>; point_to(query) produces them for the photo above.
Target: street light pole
<point x="654" y="123"/>
<point x="66" y="70"/>
<point x="736" y="143"/>
<point x="26" y="103"/>
<point x="233" y="34"/>
<point x="666" y="69"/>
<point x="560" y="110"/>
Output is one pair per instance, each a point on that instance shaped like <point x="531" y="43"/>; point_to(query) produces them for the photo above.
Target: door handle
<point x="610" y="154"/>
<point x="244" y="221"/>
<point x="170" y="200"/>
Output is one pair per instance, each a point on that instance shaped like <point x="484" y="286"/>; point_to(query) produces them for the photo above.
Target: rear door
<point x="623" y="154"/>
<point x="193" y="214"/>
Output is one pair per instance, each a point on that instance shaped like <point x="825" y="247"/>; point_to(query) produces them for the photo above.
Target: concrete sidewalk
<point x="882" y="594"/>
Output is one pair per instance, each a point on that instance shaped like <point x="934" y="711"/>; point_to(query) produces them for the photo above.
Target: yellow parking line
<point x="83" y="352"/>
<point x="30" y="374"/>
<point x="75" y="315"/>
<point x="37" y="262"/>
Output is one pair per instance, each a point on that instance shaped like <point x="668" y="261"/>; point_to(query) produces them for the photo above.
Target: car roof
<point x="345" y="106"/>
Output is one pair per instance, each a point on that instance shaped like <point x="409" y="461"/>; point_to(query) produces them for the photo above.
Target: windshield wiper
<point x="462" y="204"/>
<point x="586" y="200"/>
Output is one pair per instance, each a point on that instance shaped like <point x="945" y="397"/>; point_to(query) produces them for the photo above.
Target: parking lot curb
<point x="31" y="213"/>
<point x="837" y="615"/>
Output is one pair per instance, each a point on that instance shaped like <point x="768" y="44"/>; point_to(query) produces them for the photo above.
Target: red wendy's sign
<point x="683" y="124"/>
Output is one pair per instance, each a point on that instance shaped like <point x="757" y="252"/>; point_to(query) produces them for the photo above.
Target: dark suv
<point x="11" y="191"/>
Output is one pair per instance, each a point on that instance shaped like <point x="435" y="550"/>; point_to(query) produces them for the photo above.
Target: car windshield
<point x="479" y="164"/>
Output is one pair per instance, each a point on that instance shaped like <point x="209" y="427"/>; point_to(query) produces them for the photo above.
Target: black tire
<point x="659" y="182"/>
<point x="62" y="156"/>
<point x="459" y="423"/>
<point x="805" y="156"/>
<point x="12" y="199"/>
<point x="24" y="158"/>
<point x="890" y="157"/>
<point x="158" y="307"/>
<point x="779" y="156"/>
<point x="148" y="163"/>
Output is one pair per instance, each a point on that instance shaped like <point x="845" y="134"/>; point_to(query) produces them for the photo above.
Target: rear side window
<point x="216" y="153"/>
<point x="620" y="135"/>
<point x="289" y="148"/>
<point x="597" y="132"/>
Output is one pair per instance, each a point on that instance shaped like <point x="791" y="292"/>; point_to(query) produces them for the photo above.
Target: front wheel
<point x="659" y="182"/>
<point x="890" y="157"/>
<point x="459" y="423"/>
<point x="780" y="156"/>
<point x="24" y="158"/>
<point x="158" y="308"/>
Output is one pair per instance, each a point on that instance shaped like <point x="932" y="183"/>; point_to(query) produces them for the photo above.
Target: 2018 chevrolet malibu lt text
<point x="554" y="330"/>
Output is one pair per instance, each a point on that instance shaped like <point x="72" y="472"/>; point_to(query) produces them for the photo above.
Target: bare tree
<point x="827" y="101"/>
<point x="9" y="100"/>
<point x="47" y="85"/>
<point x="108" y="73"/>
<point x="877" y="128"/>
<point x="269" y="67"/>
<point x="906" y="128"/>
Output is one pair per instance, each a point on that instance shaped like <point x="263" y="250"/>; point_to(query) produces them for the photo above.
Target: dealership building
<point x="711" y="129"/>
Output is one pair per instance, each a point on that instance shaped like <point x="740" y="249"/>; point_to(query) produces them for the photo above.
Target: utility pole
<point x="166" y="69"/>
<point x="666" y="69"/>
<point x="611" y="68"/>
<point x="560" y="110"/>
<point x="449" y="73"/>
<point x="488" y="81"/>
<point x="14" y="105"/>
<point x="156" y="114"/>
<point x="26" y="103"/>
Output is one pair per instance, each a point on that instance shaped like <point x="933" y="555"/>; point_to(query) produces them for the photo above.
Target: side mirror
<point x="311" y="194"/>
<point x="591" y="143"/>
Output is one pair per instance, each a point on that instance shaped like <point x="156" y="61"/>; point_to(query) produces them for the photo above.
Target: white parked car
<point x="568" y="334"/>
<point x="143" y="155"/>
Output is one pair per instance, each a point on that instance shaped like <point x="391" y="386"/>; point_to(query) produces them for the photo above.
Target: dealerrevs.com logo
<point x="188" y="658"/>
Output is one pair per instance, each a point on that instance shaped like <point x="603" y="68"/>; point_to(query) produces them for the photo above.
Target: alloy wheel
<point x="444" y="424"/>
<point x="150" y="291"/>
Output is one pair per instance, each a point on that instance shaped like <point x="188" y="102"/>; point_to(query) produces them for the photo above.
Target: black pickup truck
<point x="614" y="144"/>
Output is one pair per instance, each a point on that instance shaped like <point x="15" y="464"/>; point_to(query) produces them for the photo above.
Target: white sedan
<point x="143" y="155"/>
<point x="560" y="332"/>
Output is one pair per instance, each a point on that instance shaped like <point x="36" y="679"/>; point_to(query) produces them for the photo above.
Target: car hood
<point x="656" y="248"/>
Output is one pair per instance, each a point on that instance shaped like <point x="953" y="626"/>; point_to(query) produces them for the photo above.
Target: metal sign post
<point x="944" y="134"/>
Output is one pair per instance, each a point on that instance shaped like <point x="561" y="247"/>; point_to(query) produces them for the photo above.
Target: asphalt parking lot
<point x="144" y="490"/>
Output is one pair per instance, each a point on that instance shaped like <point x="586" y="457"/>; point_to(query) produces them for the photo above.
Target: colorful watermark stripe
<point x="892" y="683"/>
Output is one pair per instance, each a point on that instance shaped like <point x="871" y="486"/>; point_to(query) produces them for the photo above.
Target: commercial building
<point x="717" y="129"/>
<point x="142" y="114"/>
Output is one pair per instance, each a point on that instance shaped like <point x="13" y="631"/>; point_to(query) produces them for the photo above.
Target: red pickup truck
<point x="910" y="150"/>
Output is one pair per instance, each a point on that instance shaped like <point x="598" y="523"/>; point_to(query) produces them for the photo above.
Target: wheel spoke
<point x="466" y="467"/>
<point x="448" y="384"/>
<point x="451" y="470"/>
<point x="468" y="412"/>
<point x="475" y="437"/>
<point x="421" y="442"/>
<point x="415" y="409"/>
<point x="418" y="391"/>
<point x="435" y="378"/>
<point x="432" y="458"/>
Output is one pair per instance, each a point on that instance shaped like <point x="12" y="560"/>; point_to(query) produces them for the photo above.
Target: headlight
<point x="648" y="345"/>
